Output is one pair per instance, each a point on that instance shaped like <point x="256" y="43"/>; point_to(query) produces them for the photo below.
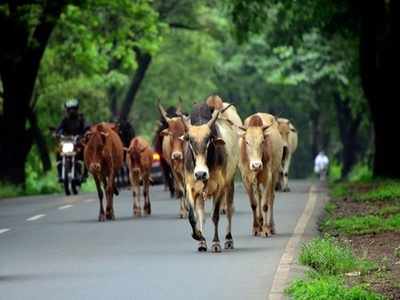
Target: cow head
<point x="176" y="130"/>
<point x="284" y="129"/>
<point x="200" y="142"/>
<point x="95" y="140"/>
<point x="253" y="139"/>
<point x="135" y="151"/>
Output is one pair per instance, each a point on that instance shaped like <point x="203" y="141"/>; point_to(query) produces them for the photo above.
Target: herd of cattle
<point x="203" y="151"/>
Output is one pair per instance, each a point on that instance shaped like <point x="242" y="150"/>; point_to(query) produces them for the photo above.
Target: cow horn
<point x="104" y="133"/>
<point x="162" y="111"/>
<point x="184" y="121"/>
<point x="179" y="106"/>
<point x="213" y="119"/>
<point x="224" y="109"/>
<point x="265" y="127"/>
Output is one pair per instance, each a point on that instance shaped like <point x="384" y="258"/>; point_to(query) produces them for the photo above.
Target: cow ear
<point x="164" y="132"/>
<point x="219" y="142"/>
<point x="293" y="129"/>
<point x="241" y="131"/>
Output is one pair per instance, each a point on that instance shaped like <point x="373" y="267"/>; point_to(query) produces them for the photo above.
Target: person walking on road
<point x="321" y="163"/>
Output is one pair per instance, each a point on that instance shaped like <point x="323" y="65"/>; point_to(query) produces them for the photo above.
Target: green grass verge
<point x="328" y="257"/>
<point x="384" y="191"/>
<point x="363" y="224"/>
<point x="330" y="262"/>
<point x="332" y="288"/>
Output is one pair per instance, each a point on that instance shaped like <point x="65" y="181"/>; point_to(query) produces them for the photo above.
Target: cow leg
<point x="199" y="205"/>
<point x="216" y="247"/>
<point x="270" y="212"/>
<point x="109" y="194"/>
<point x="229" y="213"/>
<point x="146" y="196"/>
<point x="137" y="211"/>
<point x="197" y="235"/>
<point x="102" y="216"/>
<point x="259" y="196"/>
<point x="253" y="204"/>
<point x="267" y="207"/>
<point x="285" y="174"/>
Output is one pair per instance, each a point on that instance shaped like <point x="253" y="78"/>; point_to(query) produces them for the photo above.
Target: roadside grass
<point x="363" y="224"/>
<point x="367" y="191"/>
<point x="328" y="257"/>
<point x="9" y="190"/>
<point x="330" y="262"/>
<point x="329" y="287"/>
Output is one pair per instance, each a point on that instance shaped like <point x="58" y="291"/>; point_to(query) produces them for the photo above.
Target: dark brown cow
<point x="172" y="151"/>
<point x="140" y="159"/>
<point x="103" y="156"/>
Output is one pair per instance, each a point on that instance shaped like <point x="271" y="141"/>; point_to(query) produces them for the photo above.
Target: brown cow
<point x="261" y="150"/>
<point x="103" y="156"/>
<point x="172" y="150"/>
<point x="211" y="156"/>
<point x="139" y="159"/>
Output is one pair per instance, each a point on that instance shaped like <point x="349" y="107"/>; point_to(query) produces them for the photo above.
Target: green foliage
<point x="363" y="224"/>
<point x="361" y="172"/>
<point x="335" y="171"/>
<point x="387" y="190"/>
<point x="8" y="190"/>
<point x="329" y="287"/>
<point x="328" y="257"/>
<point x="339" y="190"/>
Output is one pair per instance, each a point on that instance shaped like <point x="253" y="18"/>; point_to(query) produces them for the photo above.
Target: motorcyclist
<point x="73" y="124"/>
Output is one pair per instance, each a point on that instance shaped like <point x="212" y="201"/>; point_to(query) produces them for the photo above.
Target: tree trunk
<point x="315" y="132"/>
<point x="40" y="142"/>
<point x="348" y="129"/>
<point x="19" y="65"/>
<point x="379" y="60"/>
<point x="143" y="60"/>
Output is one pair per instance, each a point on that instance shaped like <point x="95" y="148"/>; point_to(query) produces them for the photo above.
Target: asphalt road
<point x="54" y="248"/>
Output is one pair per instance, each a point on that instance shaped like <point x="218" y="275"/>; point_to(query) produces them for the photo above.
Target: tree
<point x="26" y="27"/>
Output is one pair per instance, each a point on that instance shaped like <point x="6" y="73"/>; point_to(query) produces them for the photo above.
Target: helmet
<point x="71" y="103"/>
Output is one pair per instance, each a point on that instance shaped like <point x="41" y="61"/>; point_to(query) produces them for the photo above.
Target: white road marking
<point x="89" y="200"/>
<point x="34" y="218"/>
<point x="65" y="206"/>
<point x="282" y="273"/>
<point x="4" y="230"/>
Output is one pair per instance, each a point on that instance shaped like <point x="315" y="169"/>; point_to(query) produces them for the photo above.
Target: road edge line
<point x="282" y="273"/>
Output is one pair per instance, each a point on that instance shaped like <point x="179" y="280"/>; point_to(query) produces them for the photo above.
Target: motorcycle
<point x="72" y="169"/>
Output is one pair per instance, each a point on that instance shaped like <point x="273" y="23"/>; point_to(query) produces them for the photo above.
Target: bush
<point x="332" y="288"/>
<point x="327" y="257"/>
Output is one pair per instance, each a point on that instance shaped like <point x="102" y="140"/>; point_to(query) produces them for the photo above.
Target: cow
<point x="211" y="155"/>
<point x="261" y="150"/>
<point x="289" y="136"/>
<point x="172" y="151"/>
<point x="140" y="159"/>
<point x="158" y="146"/>
<point x="103" y="155"/>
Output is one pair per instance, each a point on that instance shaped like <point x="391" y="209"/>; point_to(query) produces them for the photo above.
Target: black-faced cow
<point x="211" y="154"/>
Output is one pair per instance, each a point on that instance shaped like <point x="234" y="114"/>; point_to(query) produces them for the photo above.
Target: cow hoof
<point x="137" y="212"/>
<point x="286" y="189"/>
<point x="110" y="216"/>
<point x="256" y="231"/>
<point x="102" y="218"/>
<point x="202" y="246"/>
<point x="228" y="245"/>
<point x="223" y="211"/>
<point x="183" y="215"/>
<point x="216" y="247"/>
<point x="147" y="210"/>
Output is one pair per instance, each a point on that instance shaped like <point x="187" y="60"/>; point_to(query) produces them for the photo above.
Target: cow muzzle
<point x="256" y="165"/>
<point x="94" y="167"/>
<point x="177" y="155"/>
<point x="201" y="174"/>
